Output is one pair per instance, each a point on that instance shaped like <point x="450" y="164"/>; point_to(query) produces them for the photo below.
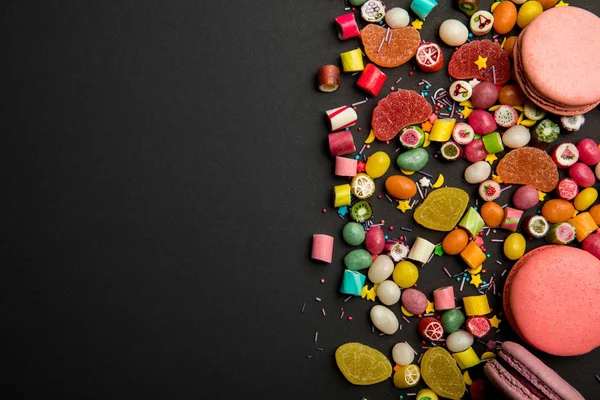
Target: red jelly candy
<point x="399" y="110"/>
<point x="462" y="64"/>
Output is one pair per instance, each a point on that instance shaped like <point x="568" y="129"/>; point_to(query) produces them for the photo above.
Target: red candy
<point x="589" y="153"/>
<point x="430" y="57"/>
<point x="431" y="329"/>
<point x="462" y="64"/>
<point x="399" y="110"/>
<point x="371" y="80"/>
<point x="347" y="26"/>
<point x="583" y="175"/>
<point x="375" y="240"/>
<point x="478" y="326"/>
<point x="567" y="189"/>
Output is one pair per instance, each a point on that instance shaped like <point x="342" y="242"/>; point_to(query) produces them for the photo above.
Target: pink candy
<point x="347" y="26"/>
<point x="345" y="166"/>
<point x="341" y="143"/>
<point x="322" y="248"/>
<point x="443" y="298"/>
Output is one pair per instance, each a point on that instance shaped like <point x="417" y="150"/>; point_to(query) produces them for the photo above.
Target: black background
<point x="164" y="166"/>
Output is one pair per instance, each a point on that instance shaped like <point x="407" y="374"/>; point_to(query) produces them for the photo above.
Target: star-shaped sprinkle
<point x="426" y="126"/>
<point x="497" y="179"/>
<point x="466" y="112"/>
<point x="481" y="62"/>
<point x="575" y="213"/>
<point x="466" y="103"/>
<point x="541" y="195"/>
<point x="417" y="24"/>
<point x="476" y="280"/>
<point x="490" y="158"/>
<point x="495" y="321"/>
<point x="403" y="206"/>
<point x="562" y="4"/>
<point x="439" y="251"/>
<point x="367" y="293"/>
<point x="430" y="307"/>
<point x="424" y="182"/>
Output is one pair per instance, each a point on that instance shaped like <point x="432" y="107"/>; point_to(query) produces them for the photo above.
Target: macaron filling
<point x="526" y="378"/>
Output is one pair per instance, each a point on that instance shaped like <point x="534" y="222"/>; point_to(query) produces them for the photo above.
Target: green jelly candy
<point x="413" y="160"/>
<point x="353" y="233"/>
<point x="452" y="320"/>
<point x="358" y="259"/>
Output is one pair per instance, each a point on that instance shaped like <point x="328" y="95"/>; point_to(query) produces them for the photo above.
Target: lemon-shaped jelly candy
<point x="405" y="274"/>
<point x="377" y="164"/>
<point x="441" y="374"/>
<point x="362" y="365"/>
<point x="426" y="394"/>
<point x="441" y="210"/>
<point x="407" y="376"/>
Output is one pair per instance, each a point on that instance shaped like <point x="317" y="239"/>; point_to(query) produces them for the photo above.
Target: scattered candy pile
<point x="482" y="117"/>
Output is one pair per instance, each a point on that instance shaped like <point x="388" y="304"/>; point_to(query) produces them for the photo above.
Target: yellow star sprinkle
<point x="541" y="195"/>
<point x="562" y="4"/>
<point x="417" y="24"/>
<point x="476" y="280"/>
<point x="497" y="179"/>
<point x="490" y="158"/>
<point x="575" y="213"/>
<point x="426" y="126"/>
<point x="466" y="112"/>
<point x="495" y="321"/>
<point x="403" y="206"/>
<point x="368" y="293"/>
<point x="481" y="62"/>
<point x="430" y="307"/>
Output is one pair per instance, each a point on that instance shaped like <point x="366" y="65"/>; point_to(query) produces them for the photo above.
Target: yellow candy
<point x="441" y="373"/>
<point x="405" y="274"/>
<point x="514" y="246"/>
<point x="528" y="12"/>
<point x="426" y="394"/>
<point x="466" y="359"/>
<point x="476" y="305"/>
<point x="488" y="354"/>
<point x="442" y="129"/>
<point x="378" y="164"/>
<point x="407" y="376"/>
<point x="341" y="195"/>
<point x="406" y="312"/>
<point x="467" y="378"/>
<point x="362" y="365"/>
<point x="352" y="61"/>
<point x="585" y="198"/>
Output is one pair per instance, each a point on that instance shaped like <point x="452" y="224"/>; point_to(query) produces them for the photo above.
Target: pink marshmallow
<point x="443" y="298"/>
<point x="345" y="166"/>
<point x="322" y="248"/>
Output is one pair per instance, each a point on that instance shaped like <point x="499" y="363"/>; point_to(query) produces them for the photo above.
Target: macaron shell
<point x="505" y="382"/>
<point x="552" y="296"/>
<point x="539" y="100"/>
<point x="563" y="67"/>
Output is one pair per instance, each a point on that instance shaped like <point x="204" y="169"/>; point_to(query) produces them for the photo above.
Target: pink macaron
<point x="551" y="299"/>
<point x="556" y="58"/>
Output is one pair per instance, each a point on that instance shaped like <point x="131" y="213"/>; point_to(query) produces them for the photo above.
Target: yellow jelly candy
<point x="476" y="305"/>
<point x="441" y="373"/>
<point x="407" y="376"/>
<point x="405" y="274"/>
<point x="441" y="210"/>
<point x="362" y="365"/>
<point x="585" y="198"/>
<point x="378" y="164"/>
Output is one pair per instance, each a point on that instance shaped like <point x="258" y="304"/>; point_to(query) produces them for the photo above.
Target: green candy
<point x="358" y="259"/>
<point x="353" y="233"/>
<point x="357" y="3"/>
<point x="452" y="320"/>
<point x="413" y="160"/>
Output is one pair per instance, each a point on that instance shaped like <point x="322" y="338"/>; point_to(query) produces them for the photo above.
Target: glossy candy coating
<point x="455" y="242"/>
<point x="514" y="246"/>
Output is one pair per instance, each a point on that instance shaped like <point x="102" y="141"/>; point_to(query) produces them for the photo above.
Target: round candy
<point x="405" y="274"/>
<point x="585" y="198"/>
<point x="589" y="153"/>
<point x="362" y="185"/>
<point x="525" y="197"/>
<point x="414" y="301"/>
<point x="558" y="210"/>
<point x="505" y="17"/>
<point x="478" y="326"/>
<point x="353" y="233"/>
<point x="378" y="164"/>
<point x="413" y="160"/>
<point x="452" y="320"/>
<point x="459" y="341"/>
<point x="481" y="23"/>
<point x="357" y="3"/>
<point x="455" y="242"/>
<point x="528" y="12"/>
<point x="492" y="214"/>
<point x="514" y="246"/>
<point x="372" y="11"/>
<point x="512" y="95"/>
<point x="375" y="240"/>
<point x="477" y="172"/>
<point x="482" y="122"/>
<point x="384" y="319"/>
<point x="429" y="57"/>
<point x="426" y="394"/>
<point x="582" y="174"/>
<point x="400" y="187"/>
<point x="358" y="259"/>
<point x="397" y="18"/>
<point x="516" y="136"/>
<point x="484" y="95"/>
<point x="591" y="244"/>
<point x="431" y="329"/>
<point x="453" y="32"/>
<point x="403" y="354"/>
<point x="388" y="293"/>
<point x="475" y="151"/>
<point x="460" y="91"/>
<point x="381" y="269"/>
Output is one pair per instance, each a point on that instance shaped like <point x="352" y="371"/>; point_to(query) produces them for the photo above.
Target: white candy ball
<point x="381" y="269"/>
<point x="477" y="172"/>
<point x="384" y="319"/>
<point x="388" y="292"/>
<point x="516" y="136"/>
<point x="453" y="32"/>
<point x="459" y="341"/>
<point x="397" y="18"/>
<point x="402" y="354"/>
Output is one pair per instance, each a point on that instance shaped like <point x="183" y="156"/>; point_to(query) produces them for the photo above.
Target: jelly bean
<point x="528" y="12"/>
<point x="585" y="198"/>
<point x="388" y="293"/>
<point x="384" y="319"/>
<point x="453" y="32"/>
<point x="400" y="187"/>
<point x="452" y="320"/>
<point x="514" y="246"/>
<point x="557" y="210"/>
<point x="358" y="259"/>
<point x="478" y="172"/>
<point x="459" y="341"/>
<point x="381" y="269"/>
<point x="378" y="164"/>
<point x="505" y="17"/>
<point x="413" y="160"/>
<point x="455" y="241"/>
<point x="403" y="354"/>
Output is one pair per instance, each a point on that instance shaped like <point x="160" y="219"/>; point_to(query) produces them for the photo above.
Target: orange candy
<point x="511" y="95"/>
<point x="400" y="187"/>
<point x="595" y="213"/>
<point x="510" y="44"/>
<point x="505" y="17"/>
<point x="558" y="210"/>
<point x="455" y="242"/>
<point x="546" y="4"/>
<point x="492" y="214"/>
